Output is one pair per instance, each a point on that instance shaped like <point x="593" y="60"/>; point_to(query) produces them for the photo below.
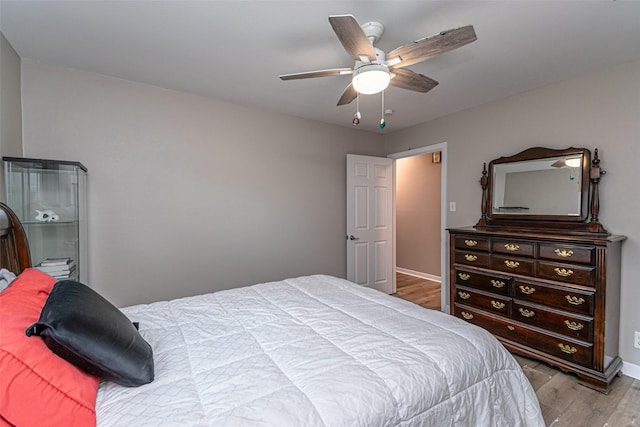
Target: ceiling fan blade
<point x="407" y="79"/>
<point x="348" y="95"/>
<point x="352" y="37"/>
<point x="428" y="47"/>
<point x="319" y="73"/>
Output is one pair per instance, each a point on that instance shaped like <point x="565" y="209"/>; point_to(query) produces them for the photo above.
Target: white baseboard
<point x="631" y="370"/>
<point x="419" y="274"/>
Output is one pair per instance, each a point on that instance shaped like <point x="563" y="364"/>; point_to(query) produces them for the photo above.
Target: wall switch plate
<point x="636" y="339"/>
<point x="452" y="206"/>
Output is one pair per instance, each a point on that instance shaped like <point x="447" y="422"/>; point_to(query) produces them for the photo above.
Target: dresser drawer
<point x="569" y="324"/>
<point x="513" y="247"/>
<point x="574" y="351"/>
<point x="489" y="282"/>
<point x="568" y="253"/>
<point x="563" y="347"/>
<point x="478" y="259"/>
<point x="494" y="303"/>
<point x="514" y="265"/>
<point x="569" y="273"/>
<point x="472" y="242"/>
<point x="565" y="298"/>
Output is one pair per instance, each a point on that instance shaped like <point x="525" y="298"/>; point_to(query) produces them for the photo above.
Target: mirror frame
<point x="589" y="205"/>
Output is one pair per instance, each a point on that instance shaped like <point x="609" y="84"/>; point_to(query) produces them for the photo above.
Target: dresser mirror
<point x="542" y="188"/>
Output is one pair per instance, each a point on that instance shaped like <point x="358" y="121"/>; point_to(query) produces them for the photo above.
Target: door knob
<point x="352" y="237"/>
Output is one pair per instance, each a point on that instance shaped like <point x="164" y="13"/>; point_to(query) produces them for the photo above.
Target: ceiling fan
<point x="374" y="70"/>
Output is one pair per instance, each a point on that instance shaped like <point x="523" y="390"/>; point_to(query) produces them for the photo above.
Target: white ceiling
<point x="235" y="50"/>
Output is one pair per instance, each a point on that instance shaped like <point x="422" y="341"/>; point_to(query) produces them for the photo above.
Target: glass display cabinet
<point x="49" y="198"/>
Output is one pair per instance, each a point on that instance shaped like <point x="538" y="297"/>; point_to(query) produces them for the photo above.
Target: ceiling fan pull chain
<point x="357" y="116"/>
<point x="382" y="122"/>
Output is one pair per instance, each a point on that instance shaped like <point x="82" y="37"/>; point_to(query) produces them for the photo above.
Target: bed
<point x="315" y="351"/>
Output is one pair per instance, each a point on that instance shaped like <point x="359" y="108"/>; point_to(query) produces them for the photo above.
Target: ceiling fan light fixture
<point x="370" y="79"/>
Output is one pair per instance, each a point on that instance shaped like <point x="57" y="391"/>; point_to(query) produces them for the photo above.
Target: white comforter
<point x="317" y="351"/>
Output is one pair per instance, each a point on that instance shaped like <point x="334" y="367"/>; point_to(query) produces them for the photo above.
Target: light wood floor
<point x="563" y="401"/>
<point x="420" y="291"/>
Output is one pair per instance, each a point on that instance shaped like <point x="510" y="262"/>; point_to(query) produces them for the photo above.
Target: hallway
<point x="417" y="290"/>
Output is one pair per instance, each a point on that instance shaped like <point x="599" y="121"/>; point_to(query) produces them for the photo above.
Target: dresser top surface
<point x="539" y="234"/>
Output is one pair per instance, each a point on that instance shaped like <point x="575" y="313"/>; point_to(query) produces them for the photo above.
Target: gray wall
<point x="10" y="106"/>
<point x="188" y="194"/>
<point x="598" y="110"/>
<point x="418" y="214"/>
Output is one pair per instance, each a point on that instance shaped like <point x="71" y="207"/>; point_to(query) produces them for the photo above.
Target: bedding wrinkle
<point x="435" y="364"/>
<point x="301" y="320"/>
<point x="283" y="372"/>
<point x="175" y="319"/>
<point x="316" y="351"/>
<point x="484" y="358"/>
<point x="144" y="396"/>
<point x="45" y="383"/>
<point x="308" y="294"/>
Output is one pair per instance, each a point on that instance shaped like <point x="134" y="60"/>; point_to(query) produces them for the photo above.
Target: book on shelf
<point x="47" y="262"/>
<point x="57" y="269"/>
<point x="62" y="276"/>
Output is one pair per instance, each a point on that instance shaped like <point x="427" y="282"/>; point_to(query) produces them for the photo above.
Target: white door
<point x="370" y="222"/>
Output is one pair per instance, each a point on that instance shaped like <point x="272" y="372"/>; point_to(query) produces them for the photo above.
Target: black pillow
<point x="85" y="329"/>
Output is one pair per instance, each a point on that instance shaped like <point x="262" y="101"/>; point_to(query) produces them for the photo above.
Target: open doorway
<point x="420" y="226"/>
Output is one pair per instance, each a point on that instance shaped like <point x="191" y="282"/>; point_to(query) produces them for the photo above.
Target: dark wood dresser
<point x="539" y="270"/>
<point x="550" y="297"/>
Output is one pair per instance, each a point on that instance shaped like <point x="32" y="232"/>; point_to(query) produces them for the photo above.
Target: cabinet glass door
<point x="49" y="198"/>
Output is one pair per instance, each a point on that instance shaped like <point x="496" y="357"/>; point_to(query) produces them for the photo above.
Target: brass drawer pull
<point x="497" y="304"/>
<point x="497" y="283"/>
<point x="563" y="272"/>
<point x="470" y="257"/>
<point x="567" y="348"/>
<point x="512" y="264"/>
<point x="527" y="313"/>
<point x="527" y="290"/>
<point x="466" y="315"/>
<point x="564" y="253"/>
<point x="511" y="328"/>
<point x="573" y="325"/>
<point x="464" y="276"/>
<point x="512" y="247"/>
<point x="471" y="243"/>
<point x="574" y="300"/>
<point x="464" y="295"/>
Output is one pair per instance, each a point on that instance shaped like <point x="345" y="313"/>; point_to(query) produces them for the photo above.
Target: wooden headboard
<point x="14" y="248"/>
